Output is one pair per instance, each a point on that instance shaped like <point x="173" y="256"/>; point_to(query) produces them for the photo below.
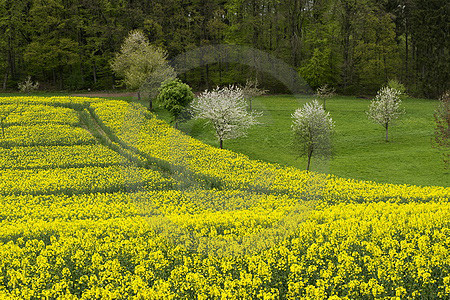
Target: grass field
<point x="360" y="151"/>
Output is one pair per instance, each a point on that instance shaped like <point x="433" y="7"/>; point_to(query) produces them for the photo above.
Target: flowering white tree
<point x="251" y="90"/>
<point x="312" y="128"/>
<point x="442" y="130"/>
<point x="385" y="108"/>
<point x="28" y="85"/>
<point x="325" y="92"/>
<point x="143" y="66"/>
<point x="225" y="109"/>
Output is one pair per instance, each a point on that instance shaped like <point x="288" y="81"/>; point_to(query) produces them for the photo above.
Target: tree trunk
<point x="309" y="160"/>
<point x="221" y="144"/>
<point x="81" y="74"/>
<point x="387" y="126"/>
<point x="5" y="80"/>
<point x="61" y="83"/>
<point x="94" y="72"/>
<point x="150" y="104"/>
<point x="406" y="54"/>
<point x="54" y="76"/>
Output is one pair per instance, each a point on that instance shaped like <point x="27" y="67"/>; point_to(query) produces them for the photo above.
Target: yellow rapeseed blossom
<point x="78" y="220"/>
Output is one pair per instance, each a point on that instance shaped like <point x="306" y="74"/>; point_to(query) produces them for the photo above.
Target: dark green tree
<point x="175" y="96"/>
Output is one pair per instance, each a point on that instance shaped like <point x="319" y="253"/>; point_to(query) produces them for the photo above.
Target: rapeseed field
<point x="99" y="199"/>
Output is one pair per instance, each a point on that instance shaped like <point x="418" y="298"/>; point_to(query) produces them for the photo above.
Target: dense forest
<point x="354" y="45"/>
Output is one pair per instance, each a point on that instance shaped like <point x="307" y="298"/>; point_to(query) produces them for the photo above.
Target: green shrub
<point x="175" y="96"/>
<point x="397" y="85"/>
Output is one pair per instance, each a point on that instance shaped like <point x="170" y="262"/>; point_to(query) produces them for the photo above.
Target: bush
<point x="175" y="96"/>
<point x="397" y="85"/>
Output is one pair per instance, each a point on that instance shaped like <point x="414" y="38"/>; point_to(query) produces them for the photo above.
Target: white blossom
<point x="385" y="108"/>
<point x="225" y="109"/>
<point x="28" y="85"/>
<point x="312" y="128"/>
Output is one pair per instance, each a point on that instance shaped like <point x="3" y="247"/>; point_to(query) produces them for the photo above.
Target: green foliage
<point x="376" y="51"/>
<point x="353" y="45"/>
<point x="398" y="86"/>
<point x="175" y="96"/>
<point x="317" y="71"/>
<point x="143" y="67"/>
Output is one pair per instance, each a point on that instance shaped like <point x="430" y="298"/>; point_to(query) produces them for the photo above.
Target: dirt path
<point x="104" y="95"/>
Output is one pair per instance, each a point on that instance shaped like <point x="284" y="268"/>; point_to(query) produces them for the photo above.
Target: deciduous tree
<point x="143" y="66"/>
<point x="175" y="96"/>
<point x="385" y="108"/>
<point x="442" y="129"/>
<point x="226" y="109"/>
<point x="252" y="90"/>
<point x="28" y="85"/>
<point x="325" y="92"/>
<point x="312" y="128"/>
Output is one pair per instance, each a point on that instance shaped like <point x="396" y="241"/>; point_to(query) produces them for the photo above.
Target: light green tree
<point x="317" y="71"/>
<point x="142" y="66"/>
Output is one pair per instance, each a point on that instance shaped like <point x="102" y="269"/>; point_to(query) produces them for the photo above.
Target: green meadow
<point x="359" y="147"/>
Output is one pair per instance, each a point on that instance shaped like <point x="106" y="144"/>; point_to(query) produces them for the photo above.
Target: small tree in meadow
<point x="28" y="85"/>
<point x="251" y="90"/>
<point x="442" y="130"/>
<point x="142" y="66"/>
<point x="225" y="109"/>
<point x="400" y="87"/>
<point x="385" y="108"/>
<point x="175" y="96"/>
<point x="313" y="128"/>
<point x="325" y="92"/>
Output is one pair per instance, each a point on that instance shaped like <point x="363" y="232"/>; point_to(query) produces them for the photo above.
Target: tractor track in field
<point x="89" y="123"/>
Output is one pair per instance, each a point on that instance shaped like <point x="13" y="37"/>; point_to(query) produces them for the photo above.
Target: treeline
<point x="354" y="45"/>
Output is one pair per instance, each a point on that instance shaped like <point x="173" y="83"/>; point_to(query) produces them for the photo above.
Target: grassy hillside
<point x="109" y="202"/>
<point x="360" y="151"/>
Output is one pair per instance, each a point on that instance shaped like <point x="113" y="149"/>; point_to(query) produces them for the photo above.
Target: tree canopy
<point x="142" y="66"/>
<point x="226" y="109"/>
<point x="355" y="46"/>
<point x="312" y="128"/>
